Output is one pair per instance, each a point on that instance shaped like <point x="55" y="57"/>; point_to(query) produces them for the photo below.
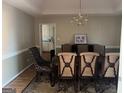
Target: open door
<point x="47" y="38"/>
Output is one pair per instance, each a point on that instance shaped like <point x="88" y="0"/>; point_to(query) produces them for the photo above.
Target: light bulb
<point x="86" y="20"/>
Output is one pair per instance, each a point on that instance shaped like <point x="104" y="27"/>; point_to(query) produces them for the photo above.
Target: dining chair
<point x="41" y="65"/>
<point x="66" y="69"/>
<point x="99" y="49"/>
<point x="100" y="60"/>
<point x="110" y="68"/>
<point x="111" y="65"/>
<point x="87" y="66"/>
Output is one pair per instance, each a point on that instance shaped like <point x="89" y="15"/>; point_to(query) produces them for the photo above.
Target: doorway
<point x="47" y="39"/>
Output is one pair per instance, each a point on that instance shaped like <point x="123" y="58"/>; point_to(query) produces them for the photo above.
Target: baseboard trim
<point x="16" y="75"/>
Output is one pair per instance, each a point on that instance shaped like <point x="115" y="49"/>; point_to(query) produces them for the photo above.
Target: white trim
<point x="89" y="11"/>
<point x="55" y="36"/>
<point x="40" y="37"/>
<point x="59" y="46"/>
<point x="16" y="75"/>
<point x="112" y="46"/>
<point x="14" y="54"/>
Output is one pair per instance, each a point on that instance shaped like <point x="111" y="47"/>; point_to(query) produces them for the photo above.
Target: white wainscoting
<point x="12" y="55"/>
<point x="16" y="75"/>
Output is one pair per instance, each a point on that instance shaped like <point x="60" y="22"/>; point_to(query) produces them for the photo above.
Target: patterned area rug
<point x="43" y="86"/>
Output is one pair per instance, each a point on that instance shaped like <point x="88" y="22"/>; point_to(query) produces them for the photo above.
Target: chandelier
<point x="80" y="19"/>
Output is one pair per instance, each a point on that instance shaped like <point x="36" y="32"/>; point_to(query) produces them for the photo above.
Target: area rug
<point x="43" y="86"/>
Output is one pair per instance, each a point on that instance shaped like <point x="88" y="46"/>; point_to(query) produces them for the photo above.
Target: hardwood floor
<point x="23" y="80"/>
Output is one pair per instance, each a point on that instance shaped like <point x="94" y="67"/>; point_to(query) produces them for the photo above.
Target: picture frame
<point x="80" y="39"/>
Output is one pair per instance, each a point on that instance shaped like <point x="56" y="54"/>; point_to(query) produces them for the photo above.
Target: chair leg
<point x="65" y="86"/>
<point x="79" y="85"/>
<point x="75" y="85"/>
<point x="83" y="88"/>
<point x="95" y="85"/>
<point x="37" y="76"/>
<point x="58" y="86"/>
<point x="52" y="80"/>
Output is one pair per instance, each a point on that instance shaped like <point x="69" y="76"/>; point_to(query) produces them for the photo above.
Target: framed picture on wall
<point x="80" y="39"/>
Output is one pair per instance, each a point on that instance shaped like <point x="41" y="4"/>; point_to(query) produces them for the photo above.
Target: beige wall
<point x="18" y="30"/>
<point x="104" y="30"/>
<point x="17" y="37"/>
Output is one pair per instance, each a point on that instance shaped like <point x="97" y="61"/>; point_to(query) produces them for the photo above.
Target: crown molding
<point x="34" y="10"/>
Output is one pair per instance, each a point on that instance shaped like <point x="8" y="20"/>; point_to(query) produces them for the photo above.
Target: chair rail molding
<point x="112" y="46"/>
<point x="59" y="46"/>
<point x="4" y="57"/>
<point x="38" y="46"/>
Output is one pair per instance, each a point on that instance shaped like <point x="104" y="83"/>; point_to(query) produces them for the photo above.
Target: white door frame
<point x="40" y="30"/>
<point x="40" y="36"/>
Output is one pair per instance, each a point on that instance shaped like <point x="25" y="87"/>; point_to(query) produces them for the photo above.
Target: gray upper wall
<point x="18" y="30"/>
<point x="102" y="29"/>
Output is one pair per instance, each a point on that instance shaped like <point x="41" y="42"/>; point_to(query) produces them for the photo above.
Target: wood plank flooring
<point x="22" y="81"/>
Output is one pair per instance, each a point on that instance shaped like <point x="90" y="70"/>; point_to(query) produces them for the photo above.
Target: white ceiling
<point x="46" y="7"/>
